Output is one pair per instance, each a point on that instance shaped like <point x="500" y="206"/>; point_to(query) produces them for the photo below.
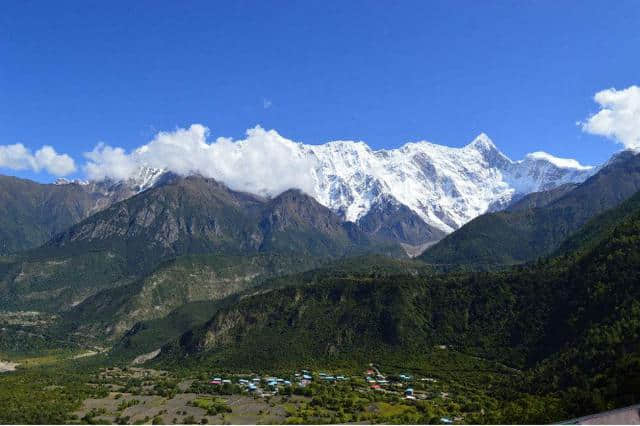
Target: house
<point x="215" y="382"/>
<point x="287" y="383"/>
<point x="307" y="377"/>
<point x="446" y="420"/>
<point x="252" y="387"/>
<point x="408" y="392"/>
<point x="376" y="387"/>
<point x="225" y="381"/>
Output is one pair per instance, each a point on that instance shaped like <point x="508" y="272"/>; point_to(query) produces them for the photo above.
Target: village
<point x="136" y="395"/>
<point x="400" y="385"/>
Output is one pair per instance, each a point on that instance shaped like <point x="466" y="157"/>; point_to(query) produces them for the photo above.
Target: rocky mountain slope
<point x="192" y="215"/>
<point x="31" y="213"/>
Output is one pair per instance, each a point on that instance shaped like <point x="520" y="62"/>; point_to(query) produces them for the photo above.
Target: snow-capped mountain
<point x="446" y="187"/>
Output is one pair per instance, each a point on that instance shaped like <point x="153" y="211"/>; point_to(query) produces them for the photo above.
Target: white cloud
<point x="108" y="162"/>
<point x="19" y="157"/>
<point x="56" y="164"/>
<point x="264" y="162"/>
<point x="619" y="116"/>
<point x="266" y="103"/>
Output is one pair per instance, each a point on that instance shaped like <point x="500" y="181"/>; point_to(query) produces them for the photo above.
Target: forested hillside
<point x="571" y="322"/>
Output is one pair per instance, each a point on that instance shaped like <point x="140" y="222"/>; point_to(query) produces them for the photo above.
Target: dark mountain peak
<point x="621" y="156"/>
<point x="390" y="220"/>
<point x="295" y="209"/>
<point x="293" y="194"/>
<point x="296" y="201"/>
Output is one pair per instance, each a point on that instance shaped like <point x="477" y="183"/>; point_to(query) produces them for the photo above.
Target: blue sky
<point x="73" y="74"/>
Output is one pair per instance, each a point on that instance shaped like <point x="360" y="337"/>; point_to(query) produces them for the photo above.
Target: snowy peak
<point x="146" y="178"/>
<point x="445" y="186"/>
<point x="482" y="143"/>
<point x="64" y="181"/>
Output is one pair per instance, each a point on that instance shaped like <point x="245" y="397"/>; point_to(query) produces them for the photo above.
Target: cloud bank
<point x="264" y="162"/>
<point x="19" y="157"/>
<point x="618" y="118"/>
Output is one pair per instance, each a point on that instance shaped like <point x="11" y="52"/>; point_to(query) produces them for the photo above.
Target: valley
<point x="319" y="212"/>
<point x="165" y="306"/>
<point x="444" y="387"/>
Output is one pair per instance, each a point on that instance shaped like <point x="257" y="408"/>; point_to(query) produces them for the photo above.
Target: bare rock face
<point x="196" y="214"/>
<point x="141" y="359"/>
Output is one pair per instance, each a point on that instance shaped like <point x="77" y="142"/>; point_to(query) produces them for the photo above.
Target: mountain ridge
<point x="445" y="186"/>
